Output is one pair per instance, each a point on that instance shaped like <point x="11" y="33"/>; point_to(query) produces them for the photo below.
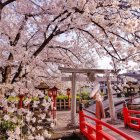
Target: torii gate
<point x="91" y="72"/>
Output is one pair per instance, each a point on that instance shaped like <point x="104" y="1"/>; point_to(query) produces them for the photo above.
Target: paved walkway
<point x="64" y="118"/>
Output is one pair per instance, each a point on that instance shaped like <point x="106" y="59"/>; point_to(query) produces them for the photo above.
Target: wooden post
<point x="111" y="102"/>
<point x="73" y="104"/>
<point x="64" y="104"/>
<point x="125" y="114"/>
<point x="60" y="105"/>
<point x="81" y="118"/>
<point x="98" y="130"/>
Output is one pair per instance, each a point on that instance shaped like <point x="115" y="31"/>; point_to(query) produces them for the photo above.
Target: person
<point x="95" y="94"/>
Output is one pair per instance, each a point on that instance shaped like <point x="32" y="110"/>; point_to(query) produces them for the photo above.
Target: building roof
<point x="42" y="85"/>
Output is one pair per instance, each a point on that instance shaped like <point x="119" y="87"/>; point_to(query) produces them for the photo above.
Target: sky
<point x="104" y="63"/>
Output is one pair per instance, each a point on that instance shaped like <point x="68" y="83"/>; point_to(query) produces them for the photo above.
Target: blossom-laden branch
<point x="2" y="5"/>
<point x="18" y="35"/>
<point x="45" y="42"/>
<point x="59" y="47"/>
<point x="98" y="42"/>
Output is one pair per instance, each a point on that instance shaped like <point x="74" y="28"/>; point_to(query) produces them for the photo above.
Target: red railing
<point x="95" y="131"/>
<point x="129" y="120"/>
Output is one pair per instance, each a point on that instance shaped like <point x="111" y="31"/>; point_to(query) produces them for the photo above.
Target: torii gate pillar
<point x="73" y="99"/>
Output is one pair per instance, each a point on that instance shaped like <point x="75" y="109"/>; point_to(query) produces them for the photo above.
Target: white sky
<point x="104" y="63"/>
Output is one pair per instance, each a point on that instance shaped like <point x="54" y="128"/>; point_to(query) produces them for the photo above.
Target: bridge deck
<point x="63" y="118"/>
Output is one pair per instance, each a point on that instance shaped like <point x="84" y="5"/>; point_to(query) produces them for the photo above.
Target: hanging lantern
<point x="50" y="92"/>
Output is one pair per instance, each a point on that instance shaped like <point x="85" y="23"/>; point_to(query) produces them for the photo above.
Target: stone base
<point x="114" y="122"/>
<point x="70" y="125"/>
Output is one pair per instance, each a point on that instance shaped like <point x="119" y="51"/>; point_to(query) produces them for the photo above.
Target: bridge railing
<point x="92" y="128"/>
<point x="130" y="118"/>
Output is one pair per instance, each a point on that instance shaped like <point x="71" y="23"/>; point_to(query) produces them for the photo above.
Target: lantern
<point x="42" y="86"/>
<point x="54" y="92"/>
<point x="50" y="92"/>
<point x="20" y="100"/>
<point x="68" y="91"/>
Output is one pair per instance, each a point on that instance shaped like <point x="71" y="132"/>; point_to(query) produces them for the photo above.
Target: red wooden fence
<point x="130" y="120"/>
<point x="95" y="132"/>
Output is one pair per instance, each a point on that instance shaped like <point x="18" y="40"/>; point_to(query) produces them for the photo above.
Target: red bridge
<point x="130" y="118"/>
<point x="92" y="128"/>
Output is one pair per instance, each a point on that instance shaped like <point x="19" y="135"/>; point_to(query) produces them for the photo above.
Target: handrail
<point x="134" y="111"/>
<point x="128" y="118"/>
<point x="110" y="127"/>
<point x="96" y="132"/>
<point x="89" y="111"/>
<point x="106" y="108"/>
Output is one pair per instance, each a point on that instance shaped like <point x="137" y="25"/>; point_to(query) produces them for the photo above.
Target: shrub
<point x="84" y="96"/>
<point x="62" y="97"/>
<point x="65" y="97"/>
<point x="6" y="125"/>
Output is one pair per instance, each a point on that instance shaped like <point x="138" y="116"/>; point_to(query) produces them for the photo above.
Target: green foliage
<point x="62" y="97"/>
<point x="65" y="97"/>
<point x="35" y="99"/>
<point x="84" y="96"/>
<point x="77" y="97"/>
<point x="46" y="97"/>
<point x="12" y="99"/>
<point x="6" y="125"/>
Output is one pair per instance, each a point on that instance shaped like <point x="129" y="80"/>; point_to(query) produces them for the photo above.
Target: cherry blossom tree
<point x="110" y="27"/>
<point x="37" y="36"/>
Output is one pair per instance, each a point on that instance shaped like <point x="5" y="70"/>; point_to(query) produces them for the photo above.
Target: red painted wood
<point x="128" y="118"/>
<point x="95" y="132"/>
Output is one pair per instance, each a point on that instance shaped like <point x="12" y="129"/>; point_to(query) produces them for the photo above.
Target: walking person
<point x="95" y="94"/>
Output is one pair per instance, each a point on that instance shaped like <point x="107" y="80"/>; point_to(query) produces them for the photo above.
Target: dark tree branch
<point x="137" y="34"/>
<point x="61" y="14"/>
<point x="10" y="40"/>
<point x="115" y="67"/>
<point x="37" y="5"/>
<point x="97" y="24"/>
<point x="19" y="31"/>
<point x="2" y="5"/>
<point x="115" y="49"/>
<point x="29" y="40"/>
<point x="98" y="42"/>
<point x="17" y="73"/>
<point x="136" y="13"/>
<point x="7" y="70"/>
<point x="78" y="10"/>
<point x="59" y="47"/>
<point x="46" y="41"/>
<point x="8" y="2"/>
<point x="65" y="17"/>
<point x="134" y="54"/>
<point x="122" y="38"/>
<point x="4" y="72"/>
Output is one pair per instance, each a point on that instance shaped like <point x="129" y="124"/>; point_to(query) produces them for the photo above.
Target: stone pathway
<point x="61" y="128"/>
